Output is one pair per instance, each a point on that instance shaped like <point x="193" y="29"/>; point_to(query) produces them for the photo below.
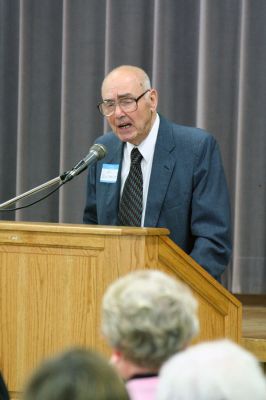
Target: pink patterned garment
<point x="142" y="388"/>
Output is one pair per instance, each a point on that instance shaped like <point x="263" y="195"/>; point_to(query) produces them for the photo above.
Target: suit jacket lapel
<point x="162" y="168"/>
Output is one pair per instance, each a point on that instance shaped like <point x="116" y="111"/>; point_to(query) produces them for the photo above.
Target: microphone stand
<point x="97" y="152"/>
<point x="60" y="179"/>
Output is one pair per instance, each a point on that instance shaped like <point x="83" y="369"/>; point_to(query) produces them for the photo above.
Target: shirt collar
<point x="147" y="146"/>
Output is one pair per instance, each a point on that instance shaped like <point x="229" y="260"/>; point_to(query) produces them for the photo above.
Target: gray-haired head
<point x="148" y="316"/>
<point x="77" y="374"/>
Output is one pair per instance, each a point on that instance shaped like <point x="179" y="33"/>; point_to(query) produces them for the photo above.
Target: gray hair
<point x="219" y="370"/>
<point x="149" y="316"/>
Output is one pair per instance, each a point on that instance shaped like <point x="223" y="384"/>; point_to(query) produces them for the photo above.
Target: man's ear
<point x="154" y="99"/>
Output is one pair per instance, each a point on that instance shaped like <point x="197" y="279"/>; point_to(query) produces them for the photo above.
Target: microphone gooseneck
<point x="97" y="152"/>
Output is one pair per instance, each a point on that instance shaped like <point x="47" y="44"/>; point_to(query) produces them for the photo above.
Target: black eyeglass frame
<point x="115" y="103"/>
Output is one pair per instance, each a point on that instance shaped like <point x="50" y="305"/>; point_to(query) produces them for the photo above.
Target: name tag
<point x="109" y="173"/>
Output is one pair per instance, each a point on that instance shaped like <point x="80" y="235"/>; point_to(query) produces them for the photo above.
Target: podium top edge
<point x="81" y="228"/>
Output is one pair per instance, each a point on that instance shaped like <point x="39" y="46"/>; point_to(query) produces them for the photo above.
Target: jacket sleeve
<point x="210" y="218"/>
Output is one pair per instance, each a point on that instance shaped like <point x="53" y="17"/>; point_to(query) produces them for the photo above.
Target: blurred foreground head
<point x="77" y="374"/>
<point x="148" y="316"/>
<point x="218" y="370"/>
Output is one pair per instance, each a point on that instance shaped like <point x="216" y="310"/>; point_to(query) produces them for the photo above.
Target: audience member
<point x="3" y="389"/>
<point x="147" y="317"/>
<point x="219" y="370"/>
<point x="76" y="374"/>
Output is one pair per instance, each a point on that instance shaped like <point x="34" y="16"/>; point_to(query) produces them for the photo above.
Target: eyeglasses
<point x="127" y="104"/>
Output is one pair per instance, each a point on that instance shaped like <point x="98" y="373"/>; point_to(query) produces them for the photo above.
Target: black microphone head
<point x="100" y="150"/>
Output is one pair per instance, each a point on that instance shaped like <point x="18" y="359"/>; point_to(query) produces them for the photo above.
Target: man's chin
<point x="127" y="136"/>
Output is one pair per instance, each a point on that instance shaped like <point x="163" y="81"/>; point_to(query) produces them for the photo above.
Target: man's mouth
<point x="124" y="125"/>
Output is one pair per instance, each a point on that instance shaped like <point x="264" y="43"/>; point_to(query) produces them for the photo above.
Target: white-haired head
<point x="218" y="370"/>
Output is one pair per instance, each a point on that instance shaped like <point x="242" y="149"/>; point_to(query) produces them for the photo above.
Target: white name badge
<point x="109" y="173"/>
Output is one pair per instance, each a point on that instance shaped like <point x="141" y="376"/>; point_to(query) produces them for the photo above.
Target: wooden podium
<point x="53" y="277"/>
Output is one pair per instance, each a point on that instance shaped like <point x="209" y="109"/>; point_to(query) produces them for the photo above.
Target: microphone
<point x="96" y="153"/>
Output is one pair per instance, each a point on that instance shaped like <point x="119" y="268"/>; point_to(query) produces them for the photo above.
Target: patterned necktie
<point x="130" y="209"/>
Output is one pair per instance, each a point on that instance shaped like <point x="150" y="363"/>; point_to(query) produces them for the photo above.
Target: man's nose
<point x="118" y="110"/>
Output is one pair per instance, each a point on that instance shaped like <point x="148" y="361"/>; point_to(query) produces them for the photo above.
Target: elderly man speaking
<point x="159" y="174"/>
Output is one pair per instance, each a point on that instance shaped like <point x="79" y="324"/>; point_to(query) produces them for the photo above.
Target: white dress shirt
<point x="146" y="148"/>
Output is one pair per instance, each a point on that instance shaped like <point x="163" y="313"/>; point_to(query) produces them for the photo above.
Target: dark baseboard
<point x="252" y="299"/>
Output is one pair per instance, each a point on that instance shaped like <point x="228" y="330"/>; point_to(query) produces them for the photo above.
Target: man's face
<point x="132" y="127"/>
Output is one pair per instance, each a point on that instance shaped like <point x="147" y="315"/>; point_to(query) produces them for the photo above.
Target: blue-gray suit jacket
<point x="187" y="193"/>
